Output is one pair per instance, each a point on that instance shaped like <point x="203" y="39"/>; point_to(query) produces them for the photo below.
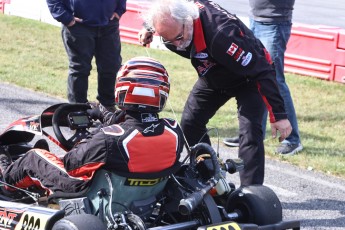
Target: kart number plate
<point x="222" y="226"/>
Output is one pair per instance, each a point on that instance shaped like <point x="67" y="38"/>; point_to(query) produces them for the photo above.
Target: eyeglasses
<point x="177" y="38"/>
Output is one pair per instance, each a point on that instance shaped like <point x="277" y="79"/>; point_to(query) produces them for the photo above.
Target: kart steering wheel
<point x="61" y="119"/>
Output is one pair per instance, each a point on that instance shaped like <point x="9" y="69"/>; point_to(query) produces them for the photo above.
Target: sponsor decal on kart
<point x="29" y="124"/>
<point x="9" y="217"/>
<point x="32" y="220"/>
<point x="222" y="226"/>
<point x="23" y="217"/>
<point x="142" y="182"/>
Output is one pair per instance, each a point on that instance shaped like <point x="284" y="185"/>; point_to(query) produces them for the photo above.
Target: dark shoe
<point x="288" y="149"/>
<point x="5" y="161"/>
<point x="232" y="141"/>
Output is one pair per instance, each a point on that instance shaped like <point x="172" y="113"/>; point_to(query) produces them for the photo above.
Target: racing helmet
<point x="142" y="84"/>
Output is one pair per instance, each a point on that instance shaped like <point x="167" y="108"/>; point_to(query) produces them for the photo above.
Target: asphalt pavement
<point x="316" y="12"/>
<point x="316" y="199"/>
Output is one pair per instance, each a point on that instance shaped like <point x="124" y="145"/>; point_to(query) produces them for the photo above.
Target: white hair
<point x="179" y="10"/>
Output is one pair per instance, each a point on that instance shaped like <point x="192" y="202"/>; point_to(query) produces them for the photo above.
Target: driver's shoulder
<point x="170" y="122"/>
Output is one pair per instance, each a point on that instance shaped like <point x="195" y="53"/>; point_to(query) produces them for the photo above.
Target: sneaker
<point x="232" y="141"/>
<point x="288" y="149"/>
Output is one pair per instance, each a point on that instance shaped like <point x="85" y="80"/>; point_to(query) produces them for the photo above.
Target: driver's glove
<point x="95" y="113"/>
<point x="110" y="118"/>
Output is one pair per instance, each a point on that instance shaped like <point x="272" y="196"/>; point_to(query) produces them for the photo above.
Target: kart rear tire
<point x="257" y="204"/>
<point x="79" y="222"/>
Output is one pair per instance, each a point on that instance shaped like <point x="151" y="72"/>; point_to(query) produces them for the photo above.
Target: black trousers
<point x="82" y="43"/>
<point x="202" y="104"/>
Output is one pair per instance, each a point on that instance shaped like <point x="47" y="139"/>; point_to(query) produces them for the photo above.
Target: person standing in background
<point x="270" y="21"/>
<point x="90" y="29"/>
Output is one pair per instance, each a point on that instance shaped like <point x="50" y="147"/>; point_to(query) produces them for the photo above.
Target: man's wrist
<point x="71" y="23"/>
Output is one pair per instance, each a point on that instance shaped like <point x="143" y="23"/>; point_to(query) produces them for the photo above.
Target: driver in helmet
<point x="142" y="143"/>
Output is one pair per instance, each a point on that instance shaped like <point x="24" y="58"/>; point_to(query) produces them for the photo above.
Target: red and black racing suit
<point x="143" y="143"/>
<point x="231" y="62"/>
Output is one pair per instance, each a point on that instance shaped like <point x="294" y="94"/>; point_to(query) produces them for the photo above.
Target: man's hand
<point x="115" y="15"/>
<point x="283" y="127"/>
<point x="145" y="37"/>
<point x="75" y="19"/>
<point x="94" y="113"/>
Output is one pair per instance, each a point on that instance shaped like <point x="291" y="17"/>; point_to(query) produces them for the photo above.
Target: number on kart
<point x="223" y="226"/>
<point x="30" y="223"/>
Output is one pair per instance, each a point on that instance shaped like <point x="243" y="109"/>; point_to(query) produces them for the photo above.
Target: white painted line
<point x="309" y="178"/>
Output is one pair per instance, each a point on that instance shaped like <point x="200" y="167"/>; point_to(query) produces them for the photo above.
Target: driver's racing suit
<point x="142" y="144"/>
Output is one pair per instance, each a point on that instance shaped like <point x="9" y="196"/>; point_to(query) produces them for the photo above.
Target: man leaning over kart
<point x="142" y="143"/>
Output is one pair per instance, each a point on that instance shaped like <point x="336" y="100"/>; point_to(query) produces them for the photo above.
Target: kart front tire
<point x="79" y="222"/>
<point x="257" y="204"/>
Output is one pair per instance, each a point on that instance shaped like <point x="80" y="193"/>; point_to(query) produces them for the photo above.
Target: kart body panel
<point x="24" y="216"/>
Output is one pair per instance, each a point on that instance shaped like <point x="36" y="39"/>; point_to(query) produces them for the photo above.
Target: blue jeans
<point x="82" y="43"/>
<point x="274" y="36"/>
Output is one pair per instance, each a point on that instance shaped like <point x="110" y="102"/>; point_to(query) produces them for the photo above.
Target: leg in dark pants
<point x="108" y="60"/>
<point x="79" y="42"/>
<point x="202" y="104"/>
<point x="251" y="148"/>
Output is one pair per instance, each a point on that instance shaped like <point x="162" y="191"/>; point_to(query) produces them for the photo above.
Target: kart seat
<point x="137" y="192"/>
<point x="129" y="193"/>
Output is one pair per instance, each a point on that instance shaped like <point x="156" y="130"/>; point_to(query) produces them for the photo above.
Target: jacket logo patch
<point x="201" y="55"/>
<point x="232" y="50"/>
<point x="247" y="59"/>
<point x="150" y="128"/>
<point x="148" y="117"/>
<point x="238" y="54"/>
<point x="205" y="66"/>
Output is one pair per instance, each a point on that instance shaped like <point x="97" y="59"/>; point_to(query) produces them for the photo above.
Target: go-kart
<point x="195" y="196"/>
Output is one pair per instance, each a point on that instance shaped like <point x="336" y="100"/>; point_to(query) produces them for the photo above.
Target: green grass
<point x="32" y="56"/>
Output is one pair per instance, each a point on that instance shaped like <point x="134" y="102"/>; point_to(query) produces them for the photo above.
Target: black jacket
<point x="142" y="144"/>
<point x="227" y="54"/>
<point x="92" y="12"/>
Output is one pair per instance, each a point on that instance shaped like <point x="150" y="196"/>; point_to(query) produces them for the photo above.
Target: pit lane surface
<point x="316" y="12"/>
<point x="318" y="200"/>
